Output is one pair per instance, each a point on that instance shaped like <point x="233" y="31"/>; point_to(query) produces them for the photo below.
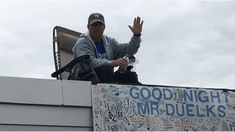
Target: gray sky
<point x="184" y="43"/>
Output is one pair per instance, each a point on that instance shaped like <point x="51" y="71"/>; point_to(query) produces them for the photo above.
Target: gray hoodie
<point x="114" y="49"/>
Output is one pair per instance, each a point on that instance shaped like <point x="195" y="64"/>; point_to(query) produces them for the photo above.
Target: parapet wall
<point x="43" y="104"/>
<point x="46" y="104"/>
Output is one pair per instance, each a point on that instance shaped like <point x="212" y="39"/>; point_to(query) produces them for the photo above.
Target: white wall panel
<point x="31" y="91"/>
<point x="43" y="104"/>
<point x="76" y="93"/>
<point x="45" y="115"/>
<point x="41" y="128"/>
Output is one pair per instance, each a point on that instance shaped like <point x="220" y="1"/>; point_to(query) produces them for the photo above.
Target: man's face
<point x="96" y="30"/>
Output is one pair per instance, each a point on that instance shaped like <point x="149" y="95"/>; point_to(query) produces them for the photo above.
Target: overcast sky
<point x="184" y="43"/>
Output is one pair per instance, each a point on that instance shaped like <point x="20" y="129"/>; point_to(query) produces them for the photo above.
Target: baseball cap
<point x="95" y="17"/>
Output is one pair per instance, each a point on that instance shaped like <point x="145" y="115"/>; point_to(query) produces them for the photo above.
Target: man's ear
<point x="87" y="26"/>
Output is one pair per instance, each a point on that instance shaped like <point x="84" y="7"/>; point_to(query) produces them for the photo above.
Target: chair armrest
<point x="70" y="65"/>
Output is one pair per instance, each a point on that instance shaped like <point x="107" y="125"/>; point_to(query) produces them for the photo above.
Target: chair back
<point x="63" y="41"/>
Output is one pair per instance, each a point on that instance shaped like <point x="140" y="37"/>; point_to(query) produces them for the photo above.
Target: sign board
<point x="130" y="107"/>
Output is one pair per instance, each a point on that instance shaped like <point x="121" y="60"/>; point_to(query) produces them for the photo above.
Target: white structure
<point x="44" y="104"/>
<point x="63" y="105"/>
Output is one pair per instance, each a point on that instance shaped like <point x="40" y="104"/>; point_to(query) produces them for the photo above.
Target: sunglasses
<point x="97" y="24"/>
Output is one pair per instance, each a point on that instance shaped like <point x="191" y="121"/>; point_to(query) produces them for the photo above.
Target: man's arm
<point x="130" y="48"/>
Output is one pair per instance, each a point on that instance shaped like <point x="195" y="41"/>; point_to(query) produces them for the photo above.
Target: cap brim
<point x="96" y="20"/>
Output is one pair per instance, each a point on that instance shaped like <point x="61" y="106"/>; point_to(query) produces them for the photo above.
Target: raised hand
<point x="137" y="26"/>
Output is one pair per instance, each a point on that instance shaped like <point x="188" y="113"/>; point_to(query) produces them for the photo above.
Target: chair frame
<point x="56" y="46"/>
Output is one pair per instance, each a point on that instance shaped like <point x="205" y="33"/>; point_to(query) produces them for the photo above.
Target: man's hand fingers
<point x="124" y="63"/>
<point x="134" y="21"/>
<point x="137" y="25"/>
<point x="142" y="23"/>
<point x="130" y="28"/>
<point x="138" y="20"/>
<point x="121" y="62"/>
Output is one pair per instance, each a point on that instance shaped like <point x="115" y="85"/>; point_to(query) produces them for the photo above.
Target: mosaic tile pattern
<point x="122" y="108"/>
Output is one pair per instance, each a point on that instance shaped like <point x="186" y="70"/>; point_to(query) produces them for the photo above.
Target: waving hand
<point x="137" y="26"/>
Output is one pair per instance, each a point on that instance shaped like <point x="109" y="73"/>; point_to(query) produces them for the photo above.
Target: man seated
<point x="105" y="52"/>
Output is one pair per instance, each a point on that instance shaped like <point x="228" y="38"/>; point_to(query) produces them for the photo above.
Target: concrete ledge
<point x="30" y="91"/>
<point x="76" y="93"/>
<point x="44" y="104"/>
<point x="41" y="128"/>
<point x="45" y="115"/>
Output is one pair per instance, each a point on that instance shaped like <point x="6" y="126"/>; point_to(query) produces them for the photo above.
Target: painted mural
<point x="126" y="107"/>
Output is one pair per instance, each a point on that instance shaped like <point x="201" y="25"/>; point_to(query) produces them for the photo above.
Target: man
<point x="105" y="52"/>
